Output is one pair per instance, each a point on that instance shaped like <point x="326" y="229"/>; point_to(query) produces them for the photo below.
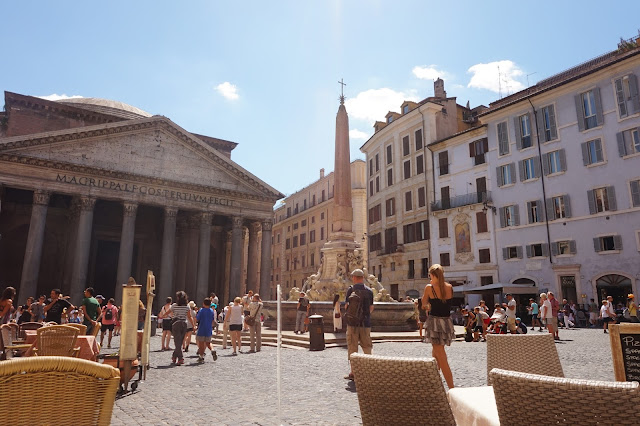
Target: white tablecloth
<point x="474" y="406"/>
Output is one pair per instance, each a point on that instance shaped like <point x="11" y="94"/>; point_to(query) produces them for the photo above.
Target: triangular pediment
<point x="152" y="148"/>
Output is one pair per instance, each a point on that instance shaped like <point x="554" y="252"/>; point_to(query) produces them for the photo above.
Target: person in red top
<point x="108" y="318"/>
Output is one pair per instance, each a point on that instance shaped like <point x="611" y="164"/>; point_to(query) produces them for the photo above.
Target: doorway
<point x="616" y="286"/>
<point x="105" y="270"/>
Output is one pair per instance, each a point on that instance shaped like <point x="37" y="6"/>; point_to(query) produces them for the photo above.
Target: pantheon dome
<point x="106" y="106"/>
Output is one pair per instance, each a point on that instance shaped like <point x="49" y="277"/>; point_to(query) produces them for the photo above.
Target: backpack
<point x="354" y="315"/>
<point x="108" y="314"/>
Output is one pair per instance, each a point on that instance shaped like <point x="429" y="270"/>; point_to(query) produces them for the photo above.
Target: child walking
<point x="205" y="319"/>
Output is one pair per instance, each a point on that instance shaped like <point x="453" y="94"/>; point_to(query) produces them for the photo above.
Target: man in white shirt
<point x="510" y="309"/>
<point x="606" y="314"/>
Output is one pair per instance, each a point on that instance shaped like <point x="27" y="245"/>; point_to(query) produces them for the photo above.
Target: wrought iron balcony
<point x="461" y="200"/>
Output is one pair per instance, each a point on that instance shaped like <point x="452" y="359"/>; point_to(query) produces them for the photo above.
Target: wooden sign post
<point x="129" y="328"/>
<point x="625" y="349"/>
<point x="151" y="287"/>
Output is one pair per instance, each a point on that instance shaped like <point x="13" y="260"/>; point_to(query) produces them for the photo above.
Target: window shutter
<point x="516" y="215"/>
<point x="552" y="122"/>
<point x="611" y="196"/>
<point x="503" y="217"/>
<point x="545" y="249"/>
<point x="538" y="217"/>
<point x="512" y="171"/>
<point x="536" y="167"/>
<point x="622" y="150"/>
<point x="503" y="138"/>
<point x="633" y="92"/>
<point x="485" y="145"/>
<point x="519" y="251"/>
<point x="499" y="176"/>
<point x="617" y="242"/>
<point x="554" y="249"/>
<point x="516" y="126"/>
<point x="505" y="253"/>
<point x="528" y="247"/>
<point x="572" y="247"/>
<point x="540" y="124"/>
<point x="472" y="149"/>
<point x="545" y="164"/>
<point x="599" y="115"/>
<point x="551" y="213"/>
<point x="592" y="202"/>
<point x="596" y="245"/>
<point x="635" y="193"/>
<point x="529" y="212"/>
<point x="567" y="205"/>
<point x="599" y="156"/>
<point x="563" y="160"/>
<point x="585" y="153"/>
<point x="521" y="170"/>
<point x="579" y="112"/>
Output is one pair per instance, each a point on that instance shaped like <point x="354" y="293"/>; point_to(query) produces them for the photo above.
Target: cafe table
<point x="474" y="406"/>
<point x="88" y="345"/>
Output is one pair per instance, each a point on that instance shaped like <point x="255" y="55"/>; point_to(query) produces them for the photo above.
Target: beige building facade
<point x="302" y="223"/>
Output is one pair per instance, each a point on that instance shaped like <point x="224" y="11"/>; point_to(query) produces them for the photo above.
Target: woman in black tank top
<point x="439" y="327"/>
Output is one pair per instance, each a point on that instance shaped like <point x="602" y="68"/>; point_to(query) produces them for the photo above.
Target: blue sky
<point x="265" y="74"/>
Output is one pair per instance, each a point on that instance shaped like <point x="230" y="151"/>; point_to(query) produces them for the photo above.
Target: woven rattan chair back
<point x="524" y="399"/>
<point x="527" y="353"/>
<point x="9" y="344"/>
<point x="56" y="340"/>
<point x="387" y="386"/>
<point x="82" y="329"/>
<point x="47" y="380"/>
<point x="96" y="329"/>
<point x="29" y="326"/>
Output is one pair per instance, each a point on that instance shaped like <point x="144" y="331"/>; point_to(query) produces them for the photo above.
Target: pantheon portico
<point x="94" y="191"/>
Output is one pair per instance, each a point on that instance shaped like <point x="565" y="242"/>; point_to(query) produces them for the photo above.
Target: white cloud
<point x="358" y="134"/>
<point x="496" y="76"/>
<point x="372" y="105"/>
<point x="228" y="90"/>
<point x="56" y="97"/>
<point x="430" y="72"/>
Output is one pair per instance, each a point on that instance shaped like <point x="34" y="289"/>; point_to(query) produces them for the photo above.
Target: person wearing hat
<point x="633" y="308"/>
<point x="358" y="308"/>
<point x="302" y="312"/>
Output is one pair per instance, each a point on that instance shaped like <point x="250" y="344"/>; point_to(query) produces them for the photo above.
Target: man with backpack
<point x="358" y="308"/>
<point x="108" y="317"/>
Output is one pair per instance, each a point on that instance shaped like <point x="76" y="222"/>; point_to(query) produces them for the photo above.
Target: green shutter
<point x="518" y="130"/>
<point x="579" y="112"/>
<point x="611" y="197"/>
<point x="585" y="153"/>
<point x="592" y="202"/>
<point x="635" y="193"/>
<point x="633" y="92"/>
<point x="622" y="149"/>
<point x="552" y="122"/>
<point x="599" y="114"/>
<point x="567" y="206"/>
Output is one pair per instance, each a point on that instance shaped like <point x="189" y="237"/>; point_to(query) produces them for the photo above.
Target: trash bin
<point x="154" y="324"/>
<point x="316" y="333"/>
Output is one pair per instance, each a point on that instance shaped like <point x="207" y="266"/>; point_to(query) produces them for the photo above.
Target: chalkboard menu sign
<point x="625" y="349"/>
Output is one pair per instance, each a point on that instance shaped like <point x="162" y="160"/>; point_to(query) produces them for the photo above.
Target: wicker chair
<point x="29" y="326"/>
<point x="387" y="386"/>
<point x="524" y="398"/>
<point x="57" y="340"/>
<point x="46" y="380"/>
<point x="527" y="353"/>
<point x="82" y="329"/>
<point x="96" y="329"/>
<point x="8" y="342"/>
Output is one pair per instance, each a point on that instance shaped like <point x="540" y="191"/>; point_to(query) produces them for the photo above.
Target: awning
<point x="497" y="288"/>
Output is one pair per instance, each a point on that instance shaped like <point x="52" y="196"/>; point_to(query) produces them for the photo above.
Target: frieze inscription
<point x="143" y="189"/>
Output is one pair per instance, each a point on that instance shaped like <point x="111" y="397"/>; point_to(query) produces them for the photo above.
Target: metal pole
<point x="279" y="329"/>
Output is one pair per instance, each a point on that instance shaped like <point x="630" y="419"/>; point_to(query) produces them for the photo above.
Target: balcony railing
<point x="461" y="200"/>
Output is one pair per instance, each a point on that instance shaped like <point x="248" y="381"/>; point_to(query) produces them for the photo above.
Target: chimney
<point x="321" y="173"/>
<point x="438" y="88"/>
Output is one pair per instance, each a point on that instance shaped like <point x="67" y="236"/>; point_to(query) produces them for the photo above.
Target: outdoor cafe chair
<point x="53" y="389"/>
<point x="29" y="326"/>
<point x="386" y="386"/>
<point x="57" y="340"/>
<point x="520" y="397"/>
<point x="82" y="329"/>
<point x="527" y="353"/>
<point x="9" y="343"/>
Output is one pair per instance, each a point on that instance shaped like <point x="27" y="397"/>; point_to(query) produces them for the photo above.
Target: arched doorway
<point x="614" y="285"/>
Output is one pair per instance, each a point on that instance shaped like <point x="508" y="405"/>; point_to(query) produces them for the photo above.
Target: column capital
<point x="87" y="203"/>
<point x="41" y="197"/>
<point x="170" y="212"/>
<point x="237" y="221"/>
<point x="129" y="209"/>
<point x="205" y="218"/>
<point x="267" y="225"/>
<point x="254" y="227"/>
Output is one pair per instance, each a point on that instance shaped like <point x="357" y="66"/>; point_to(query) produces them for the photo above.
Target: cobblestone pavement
<point x="241" y="390"/>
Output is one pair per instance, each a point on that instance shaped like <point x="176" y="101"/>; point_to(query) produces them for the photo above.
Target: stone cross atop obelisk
<point x="343" y="211"/>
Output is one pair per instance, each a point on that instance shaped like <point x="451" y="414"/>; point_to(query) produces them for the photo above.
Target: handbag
<point x="250" y="320"/>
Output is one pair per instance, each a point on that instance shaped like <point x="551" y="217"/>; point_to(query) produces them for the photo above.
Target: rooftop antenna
<point x="528" y="78"/>
<point x="499" y="83"/>
<point x="342" y="90"/>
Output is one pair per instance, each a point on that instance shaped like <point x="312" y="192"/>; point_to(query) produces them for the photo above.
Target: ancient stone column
<point x="235" y="276"/>
<point x="83" y="244"/>
<point x="252" y="258"/>
<point x="204" y="251"/>
<point x="125" y="256"/>
<point x="165" y="286"/>
<point x="265" y="261"/>
<point x="35" y="238"/>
